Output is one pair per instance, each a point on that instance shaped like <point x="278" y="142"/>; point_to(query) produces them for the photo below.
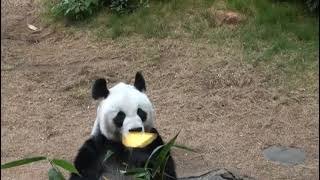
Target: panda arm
<point x="89" y="158"/>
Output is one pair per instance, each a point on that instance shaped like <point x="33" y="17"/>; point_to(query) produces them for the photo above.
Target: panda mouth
<point x="143" y="129"/>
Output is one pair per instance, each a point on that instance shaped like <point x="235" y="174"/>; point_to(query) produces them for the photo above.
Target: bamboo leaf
<point x="108" y="155"/>
<point x="183" y="147"/>
<point x="65" y="165"/>
<point x="140" y="175"/>
<point x="134" y="171"/>
<point x="22" y="162"/>
<point x="54" y="174"/>
<point x="151" y="155"/>
<point x="163" y="154"/>
<point x="163" y="167"/>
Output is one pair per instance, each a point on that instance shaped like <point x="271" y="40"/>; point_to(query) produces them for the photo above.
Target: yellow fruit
<point x="138" y="139"/>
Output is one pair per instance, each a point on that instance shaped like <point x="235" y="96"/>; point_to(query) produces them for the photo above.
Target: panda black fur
<point x="121" y="109"/>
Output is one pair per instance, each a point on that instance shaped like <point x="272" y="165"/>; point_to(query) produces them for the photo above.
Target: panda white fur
<point x="122" y="109"/>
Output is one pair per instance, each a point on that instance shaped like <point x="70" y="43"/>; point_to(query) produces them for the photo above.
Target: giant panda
<point x="121" y="109"/>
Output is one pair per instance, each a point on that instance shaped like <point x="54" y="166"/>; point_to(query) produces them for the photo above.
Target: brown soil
<point x="222" y="106"/>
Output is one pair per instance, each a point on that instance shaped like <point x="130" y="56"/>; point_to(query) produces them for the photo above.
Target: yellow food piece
<point x="138" y="139"/>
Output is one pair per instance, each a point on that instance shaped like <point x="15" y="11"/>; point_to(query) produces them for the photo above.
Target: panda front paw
<point x="138" y="158"/>
<point x="89" y="158"/>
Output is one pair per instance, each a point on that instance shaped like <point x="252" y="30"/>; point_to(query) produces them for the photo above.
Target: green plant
<point x="313" y="5"/>
<point x="158" y="159"/>
<point x="54" y="173"/>
<point x="127" y="6"/>
<point x="76" y="9"/>
<point x="81" y="9"/>
<point x="281" y="39"/>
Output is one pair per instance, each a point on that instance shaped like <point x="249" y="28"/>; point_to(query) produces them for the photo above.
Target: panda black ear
<point x="139" y="82"/>
<point x="99" y="89"/>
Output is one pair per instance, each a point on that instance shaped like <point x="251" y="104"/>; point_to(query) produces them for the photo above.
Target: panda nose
<point x="139" y="129"/>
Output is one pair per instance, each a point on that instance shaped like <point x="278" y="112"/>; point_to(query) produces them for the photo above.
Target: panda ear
<point x="99" y="89"/>
<point x="139" y="82"/>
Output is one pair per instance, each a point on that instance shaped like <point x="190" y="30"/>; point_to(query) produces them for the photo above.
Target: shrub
<point x="127" y="6"/>
<point x="313" y="5"/>
<point x="81" y="9"/>
<point x="76" y="9"/>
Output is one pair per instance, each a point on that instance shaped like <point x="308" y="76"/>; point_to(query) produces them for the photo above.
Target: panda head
<point x="123" y="108"/>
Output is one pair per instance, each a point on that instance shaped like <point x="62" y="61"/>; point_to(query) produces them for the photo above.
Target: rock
<point x="284" y="155"/>
<point x="220" y="174"/>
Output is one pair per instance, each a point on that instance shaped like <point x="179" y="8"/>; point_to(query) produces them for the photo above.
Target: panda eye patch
<point x="118" y="120"/>
<point x="142" y="114"/>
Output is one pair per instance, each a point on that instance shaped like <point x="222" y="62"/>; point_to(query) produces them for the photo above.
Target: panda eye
<point x="142" y="114"/>
<point x="118" y="120"/>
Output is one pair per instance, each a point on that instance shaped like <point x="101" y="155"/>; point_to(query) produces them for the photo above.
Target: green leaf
<point x="140" y="175"/>
<point x="163" y="154"/>
<point x="105" y="178"/>
<point x="55" y="174"/>
<point x="22" y="162"/>
<point x="134" y="171"/>
<point x="77" y="9"/>
<point x="65" y="165"/>
<point x="163" y="167"/>
<point x="67" y="11"/>
<point x="183" y="147"/>
<point x="87" y="3"/>
<point x="153" y="152"/>
<point x="108" y="155"/>
<point x="147" y="176"/>
<point x="166" y="148"/>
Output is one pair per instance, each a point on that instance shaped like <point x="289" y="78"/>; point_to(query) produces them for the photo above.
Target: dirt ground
<point x="223" y="107"/>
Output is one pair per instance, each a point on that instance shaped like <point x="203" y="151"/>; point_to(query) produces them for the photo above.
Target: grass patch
<point x="167" y="18"/>
<point x="80" y="93"/>
<point x="7" y="67"/>
<point x="281" y="38"/>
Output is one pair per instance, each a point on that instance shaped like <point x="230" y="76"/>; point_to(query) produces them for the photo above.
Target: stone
<point x="220" y="174"/>
<point x="285" y="155"/>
